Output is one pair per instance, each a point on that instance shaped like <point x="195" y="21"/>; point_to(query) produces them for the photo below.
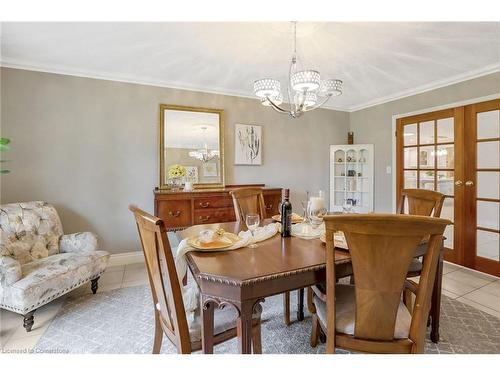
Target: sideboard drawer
<point x="175" y="213"/>
<point x="206" y="216"/>
<point x="222" y="201"/>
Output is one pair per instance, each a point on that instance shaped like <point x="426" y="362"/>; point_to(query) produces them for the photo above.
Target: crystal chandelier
<point x="204" y="154"/>
<point x="306" y="90"/>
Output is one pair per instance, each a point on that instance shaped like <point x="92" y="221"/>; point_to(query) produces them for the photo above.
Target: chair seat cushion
<point x="415" y="267"/>
<point x="345" y="309"/>
<point x="45" y="279"/>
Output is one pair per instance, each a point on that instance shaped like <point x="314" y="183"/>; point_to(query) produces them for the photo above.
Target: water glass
<point x="347" y="206"/>
<point x="252" y="221"/>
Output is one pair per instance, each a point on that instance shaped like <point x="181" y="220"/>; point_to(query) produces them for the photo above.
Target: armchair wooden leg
<point x="29" y="320"/>
<point x="256" y="338"/>
<point x="158" y="335"/>
<point x="315" y="331"/>
<point x="286" y="308"/>
<point x="94" y="285"/>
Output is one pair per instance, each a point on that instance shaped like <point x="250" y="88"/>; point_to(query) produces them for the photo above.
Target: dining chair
<point x="420" y="202"/>
<point x="251" y="200"/>
<point x="248" y="201"/>
<point x="169" y="310"/>
<point x="370" y="316"/>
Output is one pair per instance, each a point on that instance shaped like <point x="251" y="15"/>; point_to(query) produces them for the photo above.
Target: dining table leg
<point x="300" y="304"/>
<point x="207" y="328"/>
<point x="244" y="327"/>
<point x="436" y="300"/>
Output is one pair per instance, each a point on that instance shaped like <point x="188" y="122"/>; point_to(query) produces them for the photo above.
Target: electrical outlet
<point x="388" y="169"/>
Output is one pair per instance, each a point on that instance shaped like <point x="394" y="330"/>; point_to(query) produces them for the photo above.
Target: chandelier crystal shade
<point x="306" y="90"/>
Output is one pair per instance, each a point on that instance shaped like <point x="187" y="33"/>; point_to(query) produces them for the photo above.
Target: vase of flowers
<point x="176" y="172"/>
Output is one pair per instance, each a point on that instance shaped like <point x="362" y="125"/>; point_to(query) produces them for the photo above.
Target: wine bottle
<point x="286" y="215"/>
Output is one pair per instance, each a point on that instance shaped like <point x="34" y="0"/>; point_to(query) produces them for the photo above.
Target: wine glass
<point x="252" y="221"/>
<point x="347" y="206"/>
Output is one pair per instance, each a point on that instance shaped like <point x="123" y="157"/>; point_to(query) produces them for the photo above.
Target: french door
<point x="456" y="152"/>
<point x="482" y="186"/>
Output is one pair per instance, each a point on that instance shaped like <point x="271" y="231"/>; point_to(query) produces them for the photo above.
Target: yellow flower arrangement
<point x="176" y="171"/>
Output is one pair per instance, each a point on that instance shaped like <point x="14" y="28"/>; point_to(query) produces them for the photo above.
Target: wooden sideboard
<point x="182" y="209"/>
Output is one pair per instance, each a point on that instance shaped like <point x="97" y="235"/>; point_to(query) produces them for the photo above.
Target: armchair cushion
<point x="29" y="231"/>
<point x="10" y="271"/>
<point x="46" y="279"/>
<point x="82" y="242"/>
<point x="345" y="309"/>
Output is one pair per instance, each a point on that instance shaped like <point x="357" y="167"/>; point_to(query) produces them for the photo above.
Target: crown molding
<point x="53" y="69"/>
<point x="107" y="76"/>
<point x="429" y="87"/>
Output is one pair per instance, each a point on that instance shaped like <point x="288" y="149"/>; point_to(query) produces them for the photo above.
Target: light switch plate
<point x="388" y="169"/>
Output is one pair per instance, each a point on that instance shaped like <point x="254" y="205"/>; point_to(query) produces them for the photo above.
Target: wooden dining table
<point x="244" y="277"/>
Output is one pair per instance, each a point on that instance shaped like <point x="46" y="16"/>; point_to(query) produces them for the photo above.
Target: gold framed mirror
<point x="191" y="147"/>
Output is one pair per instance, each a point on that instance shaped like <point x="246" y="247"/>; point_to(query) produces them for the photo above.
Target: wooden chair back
<point x="421" y="202"/>
<point x="382" y="247"/>
<point x="165" y="286"/>
<point x="248" y="200"/>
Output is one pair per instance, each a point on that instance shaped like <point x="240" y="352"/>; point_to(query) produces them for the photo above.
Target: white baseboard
<point x="122" y="259"/>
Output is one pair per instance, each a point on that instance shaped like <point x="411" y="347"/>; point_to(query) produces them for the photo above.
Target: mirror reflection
<point x="191" y="147"/>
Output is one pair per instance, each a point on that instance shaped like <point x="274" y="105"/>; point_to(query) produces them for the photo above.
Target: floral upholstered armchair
<point x="38" y="263"/>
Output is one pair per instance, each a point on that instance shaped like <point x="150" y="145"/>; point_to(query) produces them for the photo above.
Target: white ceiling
<point x="377" y="61"/>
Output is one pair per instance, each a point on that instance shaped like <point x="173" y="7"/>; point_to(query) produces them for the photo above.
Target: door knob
<point x="459" y="183"/>
<point x="469" y="183"/>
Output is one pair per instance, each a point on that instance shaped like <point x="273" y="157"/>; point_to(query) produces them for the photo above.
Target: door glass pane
<point x="427" y="132"/>
<point x="410" y="135"/>
<point x="410" y="157"/>
<point x="488" y="245"/>
<point x="445" y="182"/>
<point x="488" y="185"/>
<point x="445" y="130"/>
<point x="426" y="157"/>
<point x="448" y="234"/>
<point x="488" y="124"/>
<point x="446" y="156"/>
<point x="427" y="180"/>
<point x="448" y="212"/>
<point x="410" y="179"/>
<point x="488" y="214"/>
<point x="488" y="154"/>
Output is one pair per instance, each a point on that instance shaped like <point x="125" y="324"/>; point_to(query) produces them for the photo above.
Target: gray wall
<point x="90" y="147"/>
<point x="374" y="125"/>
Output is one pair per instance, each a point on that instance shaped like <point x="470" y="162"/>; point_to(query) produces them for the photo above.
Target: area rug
<point x="121" y="321"/>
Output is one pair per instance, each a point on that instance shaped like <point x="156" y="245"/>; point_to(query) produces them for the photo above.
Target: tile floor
<point x="472" y="288"/>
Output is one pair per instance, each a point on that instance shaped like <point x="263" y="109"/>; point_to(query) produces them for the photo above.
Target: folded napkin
<point x="190" y="293"/>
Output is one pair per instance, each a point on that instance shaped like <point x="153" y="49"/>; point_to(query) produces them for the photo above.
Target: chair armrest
<point x="81" y="242"/>
<point x="10" y="271"/>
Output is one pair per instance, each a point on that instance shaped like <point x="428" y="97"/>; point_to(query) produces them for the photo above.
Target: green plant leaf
<point x="4" y="141"/>
<point x="4" y="147"/>
<point x="4" y="171"/>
